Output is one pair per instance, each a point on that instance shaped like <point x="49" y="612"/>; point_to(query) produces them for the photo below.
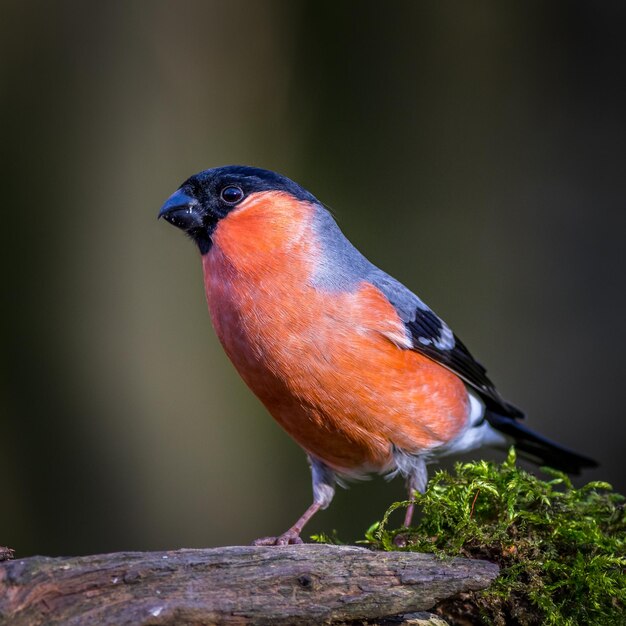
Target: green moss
<point x="562" y="551"/>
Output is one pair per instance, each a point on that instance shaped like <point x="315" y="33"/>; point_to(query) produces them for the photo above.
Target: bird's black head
<point x="204" y="199"/>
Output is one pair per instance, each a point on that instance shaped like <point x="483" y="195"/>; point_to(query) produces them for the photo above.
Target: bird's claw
<point x="286" y="539"/>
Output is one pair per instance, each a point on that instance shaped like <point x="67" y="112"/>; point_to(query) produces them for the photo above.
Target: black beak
<point x="182" y="211"/>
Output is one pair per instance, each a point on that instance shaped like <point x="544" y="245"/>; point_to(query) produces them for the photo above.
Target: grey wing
<point x="433" y="338"/>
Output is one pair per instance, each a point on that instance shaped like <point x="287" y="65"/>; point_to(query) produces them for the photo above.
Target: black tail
<point x="539" y="449"/>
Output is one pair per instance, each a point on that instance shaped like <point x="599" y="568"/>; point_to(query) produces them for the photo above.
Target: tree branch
<point x="306" y="584"/>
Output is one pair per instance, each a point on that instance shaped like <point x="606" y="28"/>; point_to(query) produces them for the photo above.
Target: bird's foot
<point x="291" y="537"/>
<point x="6" y="554"/>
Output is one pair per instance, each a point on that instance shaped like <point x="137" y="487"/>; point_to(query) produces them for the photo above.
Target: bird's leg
<point x="323" y="492"/>
<point x="416" y="481"/>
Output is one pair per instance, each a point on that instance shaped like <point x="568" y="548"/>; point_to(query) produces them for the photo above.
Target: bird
<point x="353" y="365"/>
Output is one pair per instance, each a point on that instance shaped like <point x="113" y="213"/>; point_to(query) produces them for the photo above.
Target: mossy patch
<point x="562" y="550"/>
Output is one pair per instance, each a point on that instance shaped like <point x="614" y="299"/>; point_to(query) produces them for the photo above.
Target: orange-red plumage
<point x="327" y="370"/>
<point x="353" y="365"/>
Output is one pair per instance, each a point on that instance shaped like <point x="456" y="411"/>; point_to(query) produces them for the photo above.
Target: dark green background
<point x="476" y="151"/>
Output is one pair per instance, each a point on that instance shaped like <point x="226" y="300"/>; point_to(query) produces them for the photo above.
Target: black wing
<point x="432" y="337"/>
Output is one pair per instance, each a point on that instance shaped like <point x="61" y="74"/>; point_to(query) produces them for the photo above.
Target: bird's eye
<point x="232" y="194"/>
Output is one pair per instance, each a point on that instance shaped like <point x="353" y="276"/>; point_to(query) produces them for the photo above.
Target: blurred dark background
<point x="476" y="151"/>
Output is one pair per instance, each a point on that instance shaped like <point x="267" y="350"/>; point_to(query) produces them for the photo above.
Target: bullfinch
<point x="351" y="363"/>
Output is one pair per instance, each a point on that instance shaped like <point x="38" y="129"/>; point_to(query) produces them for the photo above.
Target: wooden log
<point x="305" y="584"/>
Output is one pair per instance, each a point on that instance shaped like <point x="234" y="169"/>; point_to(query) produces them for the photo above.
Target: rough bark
<point x="306" y="584"/>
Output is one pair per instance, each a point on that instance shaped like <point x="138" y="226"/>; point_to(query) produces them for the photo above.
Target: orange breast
<point x="323" y="363"/>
